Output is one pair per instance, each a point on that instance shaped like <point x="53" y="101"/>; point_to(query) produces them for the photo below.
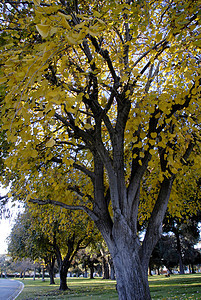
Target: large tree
<point x="103" y="102"/>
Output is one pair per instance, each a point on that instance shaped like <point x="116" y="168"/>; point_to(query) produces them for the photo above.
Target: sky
<point x="6" y="225"/>
<point x="5" y="229"/>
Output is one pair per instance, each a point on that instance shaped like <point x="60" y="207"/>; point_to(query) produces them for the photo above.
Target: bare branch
<point x="84" y="170"/>
<point x="148" y="51"/>
<point x="66" y="206"/>
<point x="105" y="55"/>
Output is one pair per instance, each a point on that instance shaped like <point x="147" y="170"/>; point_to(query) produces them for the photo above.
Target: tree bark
<point x="51" y="274"/>
<point x="50" y="267"/>
<point x="132" y="280"/>
<point x="64" y="265"/>
<point x="111" y="269"/>
<point x="181" y="266"/>
<point x="105" y="268"/>
<point x="192" y="268"/>
<point x="63" y="278"/>
<point x="43" y="273"/>
<point x="91" y="272"/>
<point x="131" y="276"/>
<point x="34" y="276"/>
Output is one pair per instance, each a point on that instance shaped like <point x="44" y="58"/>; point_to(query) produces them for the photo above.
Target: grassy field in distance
<point x="182" y="287"/>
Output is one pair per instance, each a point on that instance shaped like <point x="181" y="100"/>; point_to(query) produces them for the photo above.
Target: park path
<point x="10" y="289"/>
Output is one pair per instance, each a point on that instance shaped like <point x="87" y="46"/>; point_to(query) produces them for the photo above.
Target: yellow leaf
<point x="43" y="30"/>
<point x="152" y="151"/>
<point x="140" y="162"/>
<point x="93" y="33"/>
<point x="68" y="17"/>
<point x="3" y="80"/>
<point x="97" y="14"/>
<point x="34" y="153"/>
<point x="152" y="142"/>
<point x="71" y="40"/>
<point x="153" y="135"/>
<point x="50" y="143"/>
<point x="9" y="195"/>
<point x="36" y="2"/>
<point x="65" y="24"/>
<point x="100" y="21"/>
<point x="87" y="126"/>
<point x="28" y="197"/>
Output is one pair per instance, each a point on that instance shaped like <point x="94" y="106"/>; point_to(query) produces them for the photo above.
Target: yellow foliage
<point x="74" y="83"/>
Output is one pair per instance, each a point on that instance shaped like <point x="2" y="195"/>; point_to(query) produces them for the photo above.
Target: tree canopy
<point x="102" y="108"/>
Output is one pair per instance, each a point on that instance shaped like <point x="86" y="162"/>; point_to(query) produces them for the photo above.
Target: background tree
<point x="4" y="264"/>
<point x="187" y="235"/>
<point x="48" y="234"/>
<point x="26" y="243"/>
<point x="89" y="260"/>
<point x="103" y="101"/>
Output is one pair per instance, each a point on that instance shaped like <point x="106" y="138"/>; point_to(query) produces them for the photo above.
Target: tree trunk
<point x="91" y="272"/>
<point x="150" y="273"/>
<point x="50" y="262"/>
<point x="131" y="274"/>
<point x="51" y="274"/>
<point x="34" y="276"/>
<point x="43" y="273"/>
<point x="132" y="282"/>
<point x="192" y="268"/>
<point x="85" y="273"/>
<point x="105" y="268"/>
<point x="63" y="279"/>
<point x="181" y="266"/>
<point x="111" y="269"/>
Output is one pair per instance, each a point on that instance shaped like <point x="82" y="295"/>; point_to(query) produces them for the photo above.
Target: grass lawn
<point x="175" y="287"/>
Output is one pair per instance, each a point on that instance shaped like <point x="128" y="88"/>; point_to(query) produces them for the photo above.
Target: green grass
<point x="175" y="287"/>
<point x="186" y="286"/>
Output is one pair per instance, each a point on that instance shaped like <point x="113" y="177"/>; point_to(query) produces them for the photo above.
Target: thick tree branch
<point x="94" y="217"/>
<point x="154" y="229"/>
<point x="81" y="133"/>
<point x="85" y="170"/>
<point x="77" y="190"/>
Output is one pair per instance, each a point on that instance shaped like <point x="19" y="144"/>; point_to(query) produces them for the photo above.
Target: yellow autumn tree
<point x="103" y="111"/>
